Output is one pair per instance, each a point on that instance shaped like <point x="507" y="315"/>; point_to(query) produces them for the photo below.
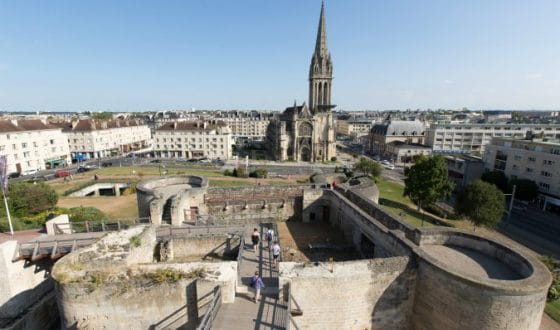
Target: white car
<point x="389" y="166"/>
<point x="30" y="172"/>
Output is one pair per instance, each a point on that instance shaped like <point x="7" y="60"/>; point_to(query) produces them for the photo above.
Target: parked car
<point x="61" y="173"/>
<point x="155" y="161"/>
<point x="106" y="164"/>
<point x="389" y="166"/>
<point x="14" y="175"/>
<point x="30" y="172"/>
<point x="82" y="169"/>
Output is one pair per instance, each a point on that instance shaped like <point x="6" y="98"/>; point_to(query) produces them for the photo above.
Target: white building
<point x="31" y="144"/>
<point x="472" y="138"/>
<point x="246" y="126"/>
<point x="532" y="159"/>
<point x="90" y="138"/>
<point x="193" y="139"/>
<point x="354" y="127"/>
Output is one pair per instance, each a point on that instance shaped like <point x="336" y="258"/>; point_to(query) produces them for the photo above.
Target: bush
<point x="87" y="213"/>
<point x="259" y="173"/>
<point x="333" y="159"/>
<point x="554" y="267"/>
<point x="135" y="241"/>
<point x="27" y="199"/>
<point x="239" y="172"/>
<point x="228" y="172"/>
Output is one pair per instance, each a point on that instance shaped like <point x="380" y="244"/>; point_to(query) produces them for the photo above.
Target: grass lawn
<point x="143" y="170"/>
<point x="553" y="310"/>
<point x="391" y="199"/>
<point x="122" y="207"/>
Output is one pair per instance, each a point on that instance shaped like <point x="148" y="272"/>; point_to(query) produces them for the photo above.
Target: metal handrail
<point x="240" y="255"/>
<point x="212" y="311"/>
<point x="92" y="226"/>
<point x="289" y="321"/>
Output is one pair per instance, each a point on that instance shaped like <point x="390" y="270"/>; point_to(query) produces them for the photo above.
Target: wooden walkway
<point x="243" y="314"/>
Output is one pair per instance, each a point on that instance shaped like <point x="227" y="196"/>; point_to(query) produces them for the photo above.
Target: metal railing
<point x="54" y="249"/>
<point x="96" y="226"/>
<point x="212" y="311"/>
<point x="240" y="256"/>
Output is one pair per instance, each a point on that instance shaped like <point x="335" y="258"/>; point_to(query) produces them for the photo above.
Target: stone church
<point x="306" y="132"/>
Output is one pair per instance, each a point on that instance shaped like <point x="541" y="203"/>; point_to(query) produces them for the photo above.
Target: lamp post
<point x="510" y="202"/>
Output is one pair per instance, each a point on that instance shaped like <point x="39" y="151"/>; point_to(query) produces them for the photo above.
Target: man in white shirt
<point x="275" y="254"/>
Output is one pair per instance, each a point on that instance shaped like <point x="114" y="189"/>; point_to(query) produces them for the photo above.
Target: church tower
<point x="320" y="71"/>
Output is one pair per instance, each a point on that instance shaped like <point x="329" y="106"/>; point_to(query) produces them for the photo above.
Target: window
<point x="517" y="157"/>
<point x="532" y="159"/>
<point x="14" y="147"/>
<point x="548" y="162"/>
<point x="51" y="141"/>
<point x="529" y="170"/>
<point x="24" y="145"/>
<point x="545" y="173"/>
<point x="544" y="186"/>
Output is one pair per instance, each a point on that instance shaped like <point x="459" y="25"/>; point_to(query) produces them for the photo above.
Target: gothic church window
<point x="305" y="129"/>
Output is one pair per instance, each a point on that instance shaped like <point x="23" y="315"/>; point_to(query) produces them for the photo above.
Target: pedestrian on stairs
<point x="257" y="284"/>
<point x="270" y="237"/>
<point x="275" y="253"/>
<point x="255" y="237"/>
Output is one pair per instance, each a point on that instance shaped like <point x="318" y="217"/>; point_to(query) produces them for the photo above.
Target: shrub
<point x="259" y="173"/>
<point x="228" y="173"/>
<point x="85" y="213"/>
<point x="135" y="241"/>
<point x="333" y="159"/>
<point x="239" y="172"/>
<point x="31" y="198"/>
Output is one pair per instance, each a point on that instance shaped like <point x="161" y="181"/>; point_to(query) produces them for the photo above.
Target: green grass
<point x="391" y="199"/>
<point x="230" y="183"/>
<point x="553" y="310"/>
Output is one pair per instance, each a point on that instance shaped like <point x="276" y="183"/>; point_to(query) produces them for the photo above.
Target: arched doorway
<point x="305" y="154"/>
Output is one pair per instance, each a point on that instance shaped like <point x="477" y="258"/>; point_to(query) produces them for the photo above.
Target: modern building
<point x="381" y="134"/>
<point x="307" y="133"/>
<point x="463" y="169"/>
<point x="534" y="159"/>
<point x="32" y="144"/>
<point x="403" y="153"/>
<point x="90" y="138"/>
<point x="193" y="139"/>
<point x="472" y="138"/>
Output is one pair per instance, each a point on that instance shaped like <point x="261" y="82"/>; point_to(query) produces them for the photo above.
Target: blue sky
<point x="254" y="54"/>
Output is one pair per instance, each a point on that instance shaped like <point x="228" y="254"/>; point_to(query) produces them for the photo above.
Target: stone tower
<point x="320" y="70"/>
<point x="306" y="132"/>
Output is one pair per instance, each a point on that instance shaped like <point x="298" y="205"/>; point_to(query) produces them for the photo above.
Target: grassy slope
<point x="553" y="310"/>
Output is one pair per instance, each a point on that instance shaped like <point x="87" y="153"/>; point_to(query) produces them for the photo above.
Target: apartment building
<point x="534" y="159"/>
<point x="246" y="126"/>
<point x="90" y="138"/>
<point x="381" y="134"/>
<point x="354" y="127"/>
<point x="463" y="169"/>
<point x="32" y="144"/>
<point x="472" y="138"/>
<point x="402" y="153"/>
<point x="193" y="139"/>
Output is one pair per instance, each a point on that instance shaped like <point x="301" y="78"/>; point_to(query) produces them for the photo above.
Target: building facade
<point x="354" y="127"/>
<point x="32" y="144"/>
<point x="463" y="169"/>
<point x="307" y="133"/>
<point x="90" y="138"/>
<point x="381" y="134"/>
<point x="533" y="159"/>
<point x="193" y="139"/>
<point x="403" y="153"/>
<point x="472" y="138"/>
<point x="247" y="126"/>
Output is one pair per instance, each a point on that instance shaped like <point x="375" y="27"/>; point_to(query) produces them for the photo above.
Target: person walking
<point x="270" y="237"/>
<point x="275" y="253"/>
<point x="257" y="284"/>
<point x="255" y="237"/>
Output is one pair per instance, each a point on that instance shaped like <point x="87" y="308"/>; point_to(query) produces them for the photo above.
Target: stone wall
<point x="214" y="246"/>
<point x="365" y="294"/>
<point x="21" y="284"/>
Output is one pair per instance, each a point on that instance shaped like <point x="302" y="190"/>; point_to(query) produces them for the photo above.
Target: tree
<point x="482" y="202"/>
<point x="525" y="189"/>
<point x="368" y="167"/>
<point x="426" y="181"/>
<point x="31" y="198"/>
<point x="499" y="179"/>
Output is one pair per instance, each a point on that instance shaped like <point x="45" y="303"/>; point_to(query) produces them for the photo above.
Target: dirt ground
<point x="122" y="207"/>
<point x="296" y="238"/>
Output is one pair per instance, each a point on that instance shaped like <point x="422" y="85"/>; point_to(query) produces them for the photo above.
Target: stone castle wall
<point x="365" y="294"/>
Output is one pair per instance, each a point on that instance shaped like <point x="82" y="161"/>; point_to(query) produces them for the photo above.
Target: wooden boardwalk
<point x="269" y="312"/>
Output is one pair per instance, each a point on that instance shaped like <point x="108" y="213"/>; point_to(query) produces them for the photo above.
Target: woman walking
<point x="257" y="284"/>
<point x="255" y="239"/>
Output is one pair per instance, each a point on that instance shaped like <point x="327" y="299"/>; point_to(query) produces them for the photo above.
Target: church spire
<point x="320" y="70"/>
<point x="321" y="43"/>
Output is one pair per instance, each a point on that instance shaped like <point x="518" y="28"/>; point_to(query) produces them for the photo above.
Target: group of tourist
<point x="273" y="246"/>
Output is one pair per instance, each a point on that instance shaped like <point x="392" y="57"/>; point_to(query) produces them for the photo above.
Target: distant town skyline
<point x="148" y="56"/>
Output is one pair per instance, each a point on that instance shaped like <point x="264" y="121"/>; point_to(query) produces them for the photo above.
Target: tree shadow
<point x="407" y="210"/>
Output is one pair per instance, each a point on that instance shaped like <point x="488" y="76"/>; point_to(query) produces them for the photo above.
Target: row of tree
<point x="427" y="181"/>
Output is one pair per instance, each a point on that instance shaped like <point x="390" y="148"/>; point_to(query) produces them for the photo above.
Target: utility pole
<point x="511" y="202"/>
